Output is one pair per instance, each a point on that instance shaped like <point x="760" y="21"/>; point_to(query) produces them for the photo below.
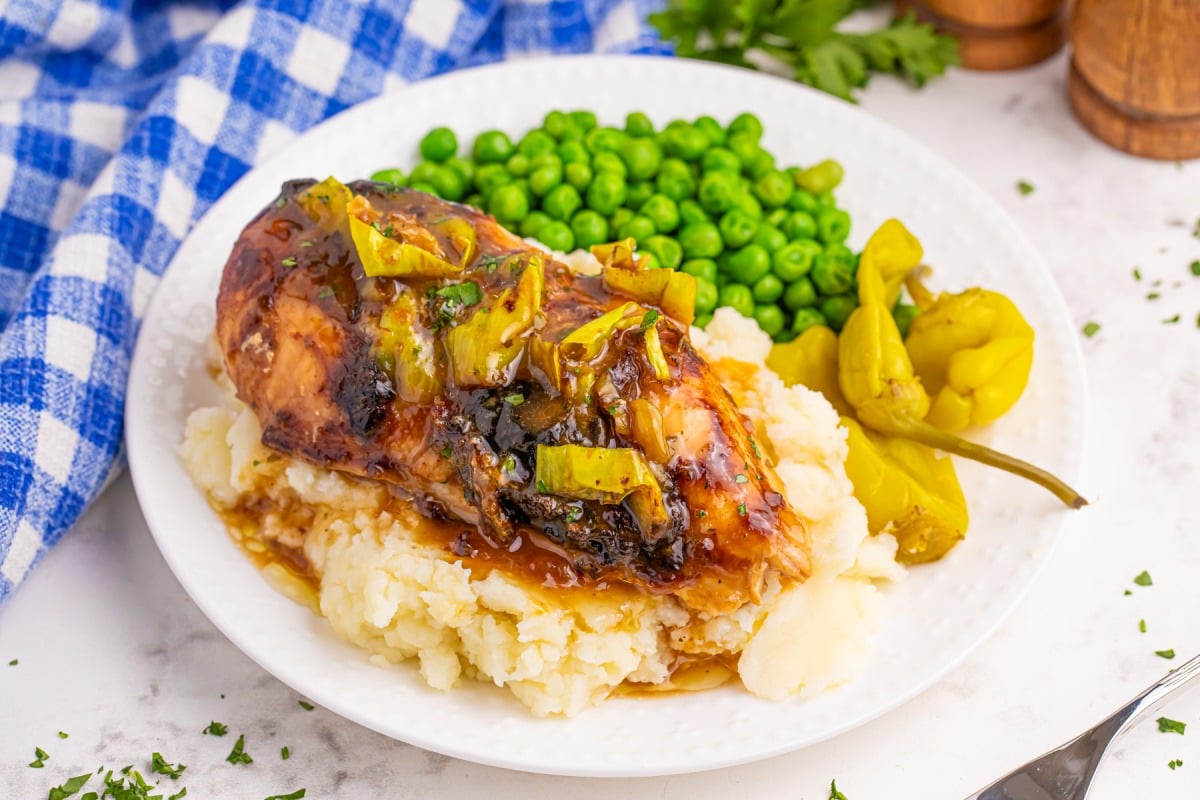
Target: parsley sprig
<point x="803" y="35"/>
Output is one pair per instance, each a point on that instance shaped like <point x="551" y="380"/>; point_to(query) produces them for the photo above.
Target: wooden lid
<point x="996" y="13"/>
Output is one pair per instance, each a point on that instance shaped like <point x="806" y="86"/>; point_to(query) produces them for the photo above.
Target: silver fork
<point x="1066" y="772"/>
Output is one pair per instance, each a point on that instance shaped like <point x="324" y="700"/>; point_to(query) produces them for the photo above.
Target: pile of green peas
<point x="697" y="196"/>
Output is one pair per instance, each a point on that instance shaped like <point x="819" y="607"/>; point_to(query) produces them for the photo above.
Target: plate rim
<point x="135" y="424"/>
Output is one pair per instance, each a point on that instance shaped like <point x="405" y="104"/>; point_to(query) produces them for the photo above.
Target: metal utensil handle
<point x="1153" y="698"/>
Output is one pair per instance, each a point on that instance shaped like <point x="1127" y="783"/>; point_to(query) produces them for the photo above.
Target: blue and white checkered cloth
<point x="121" y="121"/>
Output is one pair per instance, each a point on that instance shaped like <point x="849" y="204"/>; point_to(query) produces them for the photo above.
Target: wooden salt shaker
<point x="997" y="34"/>
<point x="1135" y="75"/>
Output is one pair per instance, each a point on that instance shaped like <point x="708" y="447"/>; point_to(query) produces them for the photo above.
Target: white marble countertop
<point x="114" y="653"/>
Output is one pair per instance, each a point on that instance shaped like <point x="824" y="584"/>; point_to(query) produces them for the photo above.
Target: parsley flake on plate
<point x="834" y="794"/>
<point x="73" y="785"/>
<point x="285" y="753"/>
<point x="1168" y="725"/>
<point x="40" y="758"/>
<point x="163" y="767"/>
<point x="1025" y="188"/>
<point x="1091" y="329"/>
<point x="1143" y="579"/>
<point x="216" y="729"/>
<point x="238" y="755"/>
<point x="296" y="795"/>
<point x="1142" y="625"/>
<point x="1167" y="654"/>
<point x="1175" y="763"/>
<point x="307" y="706"/>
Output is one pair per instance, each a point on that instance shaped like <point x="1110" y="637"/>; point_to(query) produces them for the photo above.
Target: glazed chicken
<point x="397" y="337"/>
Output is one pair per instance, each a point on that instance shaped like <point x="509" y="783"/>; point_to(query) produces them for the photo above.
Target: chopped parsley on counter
<point x="215" y="729"/>
<point x="1168" y="725"/>
<point x="285" y="753"/>
<point x="1142" y="625"/>
<point x="1175" y="763"/>
<point x="163" y="767"/>
<point x="1167" y="654"/>
<point x="1143" y="579"/>
<point x="834" y="794"/>
<point x="73" y="785"/>
<point x="1025" y="188"/>
<point x="40" y="758"/>
<point x="1091" y="329"/>
<point x="307" y="706"/>
<point x="238" y="755"/>
<point x="296" y="795"/>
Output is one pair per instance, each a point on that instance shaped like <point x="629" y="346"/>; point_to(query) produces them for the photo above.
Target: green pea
<point x="666" y="249"/>
<point x="704" y="268"/>
<point x="904" y="315"/>
<point x="424" y="186"/>
<point x="838" y="309"/>
<point x="475" y="199"/>
<point x="642" y="157"/>
<point x="535" y="143"/>
<point x="542" y="159"/>
<point x="606" y="193"/>
<point x="449" y="183"/>
<point x="776" y="217"/>
<point x="701" y="240"/>
<point x="423" y="172"/>
<point x="737" y="297"/>
<point x="773" y="189"/>
<point x="799" y="225"/>
<point x="605" y="140"/>
<point x="508" y="204"/>
<point x="716" y="192"/>
<point x="807" y="318"/>
<point x="748" y="204"/>
<point x="463" y="167"/>
<point x="662" y="211"/>
<point x="438" y="145"/>
<point x="770" y="238"/>
<point x="840" y="250"/>
<point x="833" y="225"/>
<point x="711" y="128"/>
<point x="770" y="318"/>
<point x="557" y="236"/>
<point x="762" y="164"/>
<point x="638" y="227"/>
<point x="821" y="177"/>
<point x="609" y="162"/>
<point x="794" y="260"/>
<point x="718" y="159"/>
<point x="800" y="294"/>
<point x="492" y="147"/>
<point x="589" y="228"/>
<point x="517" y="165"/>
<point x="573" y="153"/>
<point x="554" y="123"/>
<point x="392" y="177"/>
<point x="533" y="224"/>
<point x="737" y="228"/>
<point x="562" y="201"/>
<point x="690" y="213"/>
<point x="706" y="296"/>
<point x="768" y="289"/>
<point x="545" y="178"/>
<point x="585" y="120"/>
<point x="826" y="200"/>
<point x="687" y="143"/>
<point x="744" y="146"/>
<point x="638" y="124"/>
<point x="489" y="177"/>
<point x="749" y="264"/>
<point x="747" y="124"/>
<point x="523" y="185"/>
<point x="578" y="174"/>
<point x="572" y="132"/>
<point x="618" y="219"/>
<point x="675" y="180"/>
<point x="832" y="275"/>
<point x="801" y="200"/>
<point x="638" y="194"/>
<point x="702" y="320"/>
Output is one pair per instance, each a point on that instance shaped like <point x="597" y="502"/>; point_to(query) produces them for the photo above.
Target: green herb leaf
<point x="1195" y="267"/>
<point x="701" y="514"/>
<point x="182" y="793"/>
<point x="514" y="399"/>
<point x="238" y="755"/>
<point x="1167" y="654"/>
<point x="306" y="244"/>
<point x="1141" y="623"/>
<point x="648" y="320"/>
<point x="296" y="795"/>
<point x="740" y="478"/>
<point x="834" y="794"/>
<point x="325" y="293"/>
<point x="13" y="663"/>
<point x="741" y="509"/>
<point x="290" y="261"/>
<point x="542" y="488"/>
<point x="1025" y="188"/>
<point x="1143" y="579"/>
<point x="215" y="729"/>
<point x="1175" y="763"/>
<point x="163" y="767"/>
<point x="1137" y="274"/>
<point x="1091" y="329"/>
<point x="285" y="753"/>
<point x="1153" y="296"/>
<point x="1171" y="320"/>
<point x="40" y="757"/>
<point x="69" y="787"/>
<point x="307" y="706"/>
<point x="574" y="513"/>
<point x="1128" y="592"/>
<point x="1167" y="725"/>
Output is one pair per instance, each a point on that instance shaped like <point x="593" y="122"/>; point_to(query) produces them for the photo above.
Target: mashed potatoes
<point x="403" y="598"/>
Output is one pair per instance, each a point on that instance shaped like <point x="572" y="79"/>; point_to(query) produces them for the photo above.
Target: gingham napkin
<point x="121" y="121"/>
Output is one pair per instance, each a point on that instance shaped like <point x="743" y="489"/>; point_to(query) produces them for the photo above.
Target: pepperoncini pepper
<point x="908" y="491"/>
<point x="973" y="352"/>
<point x="811" y="359"/>
<point x="877" y="379"/>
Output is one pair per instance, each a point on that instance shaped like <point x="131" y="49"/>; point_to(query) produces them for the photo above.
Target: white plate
<point x="936" y="616"/>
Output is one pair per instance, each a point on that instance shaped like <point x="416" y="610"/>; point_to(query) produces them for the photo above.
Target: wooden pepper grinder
<point x="1135" y="75"/>
<point x="997" y="34"/>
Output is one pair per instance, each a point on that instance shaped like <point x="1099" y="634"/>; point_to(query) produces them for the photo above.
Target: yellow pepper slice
<point x="484" y="349"/>
<point x="811" y="359"/>
<point x="606" y="475"/>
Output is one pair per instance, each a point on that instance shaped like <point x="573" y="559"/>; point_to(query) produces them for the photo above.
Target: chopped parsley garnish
<point x="216" y="729"/>
<point x="445" y="452"/>
<point x="285" y="753"/>
<point x="324" y="293"/>
<point x="741" y="509"/>
<point x="834" y="794"/>
<point x="1167" y="654"/>
<point x="306" y="244"/>
<point x="238" y="755"/>
<point x="1153" y="296"/>
<point x="449" y="300"/>
<point x="70" y="787"/>
<point x="1171" y="320"/>
<point x="541" y="487"/>
<point x="1195" y="267"/>
<point x="1091" y="329"/>
<point x="296" y="795"/>
<point x="754" y="448"/>
<point x="64" y="735"/>
<point x="1142" y="625"/>
<point x="1025" y="188"/>
<point x="509" y="464"/>
<point x="1128" y="592"/>
<point x="740" y="478"/>
<point x="163" y="767"/>
<point x="13" y="663"/>
<point x="182" y="793"/>
<point x="1137" y="274"/>
<point x="307" y="706"/>
<point x="1175" y="763"/>
<point x="614" y="408"/>
<point x="701" y="514"/>
<point x="290" y="261"/>
<point x="1143" y="579"/>
<point x="648" y="320"/>
<point x="574" y="513"/>
<point x="41" y="756"/>
<point x="514" y="399"/>
<point x="1168" y="725"/>
<point x="1196" y="229"/>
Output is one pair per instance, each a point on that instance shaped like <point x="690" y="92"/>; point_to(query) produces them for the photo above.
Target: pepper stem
<point x="919" y="431"/>
<point x="922" y="297"/>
